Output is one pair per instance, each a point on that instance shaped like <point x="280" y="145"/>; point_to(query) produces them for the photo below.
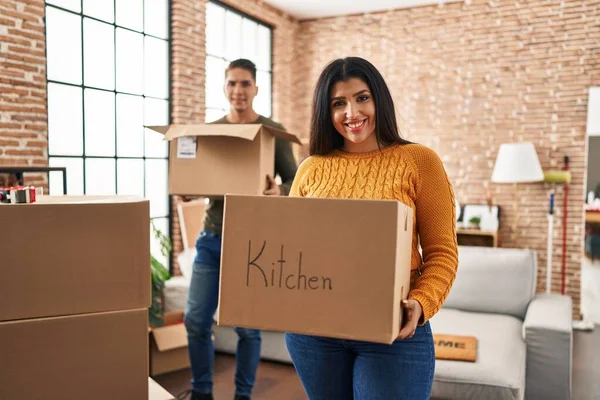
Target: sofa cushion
<point x="497" y="280"/>
<point x="498" y="373"/>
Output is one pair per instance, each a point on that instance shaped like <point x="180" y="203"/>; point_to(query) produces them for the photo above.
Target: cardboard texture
<point x="191" y="221"/>
<point x="91" y="356"/>
<point x="169" y="345"/>
<point x="455" y="347"/>
<point x="211" y="160"/>
<point x="157" y="392"/>
<point x="69" y="255"/>
<point x="327" y="267"/>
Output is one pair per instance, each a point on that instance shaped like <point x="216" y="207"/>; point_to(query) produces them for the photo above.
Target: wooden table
<point x="482" y="238"/>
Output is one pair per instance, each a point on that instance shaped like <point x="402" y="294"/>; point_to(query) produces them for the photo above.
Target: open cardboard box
<point x="327" y="267"/>
<point x="211" y="160"/>
<point x="169" y="345"/>
<point x="73" y="255"/>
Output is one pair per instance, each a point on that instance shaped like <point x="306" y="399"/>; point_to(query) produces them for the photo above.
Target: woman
<point x="356" y="152"/>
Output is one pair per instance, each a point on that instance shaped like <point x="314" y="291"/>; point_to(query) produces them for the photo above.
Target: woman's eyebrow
<point x="354" y="95"/>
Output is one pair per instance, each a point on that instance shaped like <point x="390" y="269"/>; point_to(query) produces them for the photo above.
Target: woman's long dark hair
<point x="323" y="136"/>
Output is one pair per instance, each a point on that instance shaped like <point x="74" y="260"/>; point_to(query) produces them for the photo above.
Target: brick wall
<point x="467" y="77"/>
<point x="23" y="116"/>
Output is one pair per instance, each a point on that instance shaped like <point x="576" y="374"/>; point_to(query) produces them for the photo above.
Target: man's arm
<point x="285" y="164"/>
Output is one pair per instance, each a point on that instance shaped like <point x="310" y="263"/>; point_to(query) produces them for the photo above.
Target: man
<point x="240" y="89"/>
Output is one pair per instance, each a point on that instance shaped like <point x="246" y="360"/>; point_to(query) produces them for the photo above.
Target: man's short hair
<point x="243" y="64"/>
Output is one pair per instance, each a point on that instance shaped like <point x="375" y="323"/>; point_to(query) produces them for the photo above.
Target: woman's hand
<point x="412" y="315"/>
<point x="273" y="188"/>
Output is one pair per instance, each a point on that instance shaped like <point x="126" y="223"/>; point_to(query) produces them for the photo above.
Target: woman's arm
<point x="436" y="226"/>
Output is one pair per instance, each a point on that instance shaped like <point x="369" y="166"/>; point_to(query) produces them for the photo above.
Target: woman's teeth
<point x="356" y="124"/>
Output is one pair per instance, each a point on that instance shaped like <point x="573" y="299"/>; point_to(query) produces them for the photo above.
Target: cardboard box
<point x="157" y="392"/>
<point x="211" y="160"/>
<point x="169" y="345"/>
<point x="191" y="221"/>
<point x="91" y="356"/>
<point x="327" y="267"/>
<point x="69" y="255"/>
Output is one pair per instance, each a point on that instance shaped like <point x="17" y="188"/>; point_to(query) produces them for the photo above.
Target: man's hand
<point x="413" y="313"/>
<point x="273" y="188"/>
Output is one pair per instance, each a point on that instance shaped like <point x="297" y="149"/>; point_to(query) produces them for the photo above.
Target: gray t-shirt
<point x="285" y="167"/>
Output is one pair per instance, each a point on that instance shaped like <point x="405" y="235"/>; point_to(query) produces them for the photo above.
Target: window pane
<point x="100" y="176"/>
<point x="213" y="114"/>
<point x="155" y="18"/>
<point x="215" y="79"/>
<point x="74" y="5"/>
<point x="130" y="58"/>
<point x="98" y="54"/>
<point x="249" y="39"/>
<point x="155" y="113"/>
<point x="74" y="175"/>
<point x="263" y="60"/>
<point x="233" y="35"/>
<point x="215" y="30"/>
<point x="130" y="14"/>
<point x="161" y="224"/>
<point x="130" y="177"/>
<point x="130" y="126"/>
<point x="262" y="102"/>
<point x="63" y="45"/>
<point x="99" y="123"/>
<point x="155" y="68"/>
<point x="65" y="117"/>
<point x="156" y="187"/>
<point x="101" y="9"/>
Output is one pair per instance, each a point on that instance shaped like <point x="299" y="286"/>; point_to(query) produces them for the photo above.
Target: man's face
<point x="240" y="89"/>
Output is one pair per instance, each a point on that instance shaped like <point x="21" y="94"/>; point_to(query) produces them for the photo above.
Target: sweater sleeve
<point x="298" y="188"/>
<point x="436" y="227"/>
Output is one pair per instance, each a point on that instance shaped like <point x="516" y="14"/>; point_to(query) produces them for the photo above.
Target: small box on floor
<point x="237" y="156"/>
<point x="88" y="356"/>
<point x="327" y="267"/>
<point x="169" y="345"/>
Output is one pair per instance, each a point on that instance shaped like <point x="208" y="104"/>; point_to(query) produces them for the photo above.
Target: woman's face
<point x="353" y="115"/>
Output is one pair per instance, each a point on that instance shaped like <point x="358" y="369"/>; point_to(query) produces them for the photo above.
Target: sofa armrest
<point x="548" y="335"/>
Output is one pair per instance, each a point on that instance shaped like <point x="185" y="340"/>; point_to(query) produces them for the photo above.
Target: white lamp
<point x="517" y="163"/>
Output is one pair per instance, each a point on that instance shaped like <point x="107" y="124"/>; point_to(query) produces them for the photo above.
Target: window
<point x="108" y="76"/>
<point x="231" y="35"/>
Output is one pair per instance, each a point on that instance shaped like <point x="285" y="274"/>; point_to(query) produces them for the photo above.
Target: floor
<point x="279" y="381"/>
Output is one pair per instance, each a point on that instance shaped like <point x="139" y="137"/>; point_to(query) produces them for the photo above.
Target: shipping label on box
<point x="326" y="267"/>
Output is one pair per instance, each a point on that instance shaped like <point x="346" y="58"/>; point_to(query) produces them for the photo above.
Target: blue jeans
<point x="199" y="313"/>
<point x="334" y="369"/>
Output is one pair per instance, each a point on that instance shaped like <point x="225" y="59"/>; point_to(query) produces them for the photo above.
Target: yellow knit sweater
<point x="414" y="175"/>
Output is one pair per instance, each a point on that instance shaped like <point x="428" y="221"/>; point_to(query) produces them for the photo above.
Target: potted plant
<point x="474" y="222"/>
<point x="160" y="274"/>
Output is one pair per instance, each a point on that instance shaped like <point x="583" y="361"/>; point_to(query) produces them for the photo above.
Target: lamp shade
<point x="516" y="163"/>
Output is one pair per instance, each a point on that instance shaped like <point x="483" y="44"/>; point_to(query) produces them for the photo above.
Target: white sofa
<point x="524" y="339"/>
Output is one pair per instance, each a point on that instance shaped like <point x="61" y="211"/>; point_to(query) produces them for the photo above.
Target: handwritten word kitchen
<point x="278" y="274"/>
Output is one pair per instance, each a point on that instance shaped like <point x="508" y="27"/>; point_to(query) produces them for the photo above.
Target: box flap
<point x="242" y="131"/>
<point x="283" y="134"/>
<point x="170" y="337"/>
<point x="87" y="199"/>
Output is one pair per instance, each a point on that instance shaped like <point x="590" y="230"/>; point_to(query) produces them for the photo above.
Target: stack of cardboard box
<point x="74" y="297"/>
